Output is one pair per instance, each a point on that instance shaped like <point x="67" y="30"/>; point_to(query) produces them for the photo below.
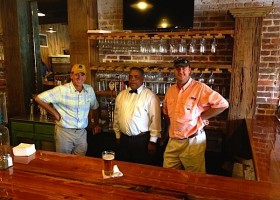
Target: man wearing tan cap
<point x="71" y="104"/>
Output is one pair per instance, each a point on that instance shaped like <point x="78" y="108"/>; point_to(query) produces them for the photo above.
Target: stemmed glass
<point x="134" y="45"/>
<point x="192" y="46"/>
<point x="211" y="79"/>
<point x="100" y="43"/>
<point x="173" y="46"/>
<point x="154" y="47"/>
<point x="201" y="77"/>
<point x="213" y="46"/>
<point x="163" y="46"/>
<point x="144" y="46"/>
<point x="123" y="46"/>
<point x="202" y="45"/>
<point x="182" y="46"/>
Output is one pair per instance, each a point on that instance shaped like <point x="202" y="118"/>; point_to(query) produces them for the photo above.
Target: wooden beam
<point x="245" y="64"/>
<point x="19" y="55"/>
<point x="251" y="11"/>
<point x="82" y="16"/>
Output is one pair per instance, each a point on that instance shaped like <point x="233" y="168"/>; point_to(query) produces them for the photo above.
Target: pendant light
<point x="50" y="30"/>
<point x="40" y="14"/>
<point x="142" y="5"/>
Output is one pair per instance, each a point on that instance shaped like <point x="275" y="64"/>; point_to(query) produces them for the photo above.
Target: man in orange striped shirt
<point x="188" y="105"/>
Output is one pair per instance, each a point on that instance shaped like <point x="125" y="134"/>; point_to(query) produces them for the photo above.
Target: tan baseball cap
<point x="79" y="68"/>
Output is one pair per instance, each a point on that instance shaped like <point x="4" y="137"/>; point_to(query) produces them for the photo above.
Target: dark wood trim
<point x="19" y="54"/>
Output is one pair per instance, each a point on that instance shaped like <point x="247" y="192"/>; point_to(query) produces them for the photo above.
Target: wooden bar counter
<point x="51" y="175"/>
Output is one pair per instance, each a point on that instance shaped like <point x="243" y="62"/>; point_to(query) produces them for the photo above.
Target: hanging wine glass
<point x="192" y="46"/>
<point x="211" y="79"/>
<point x="163" y="46"/>
<point x="182" y="46"/>
<point x="144" y="46"/>
<point x="100" y="43"/>
<point x="213" y="46"/>
<point x="201" y="77"/>
<point x="202" y="45"/>
<point x="173" y="46"/>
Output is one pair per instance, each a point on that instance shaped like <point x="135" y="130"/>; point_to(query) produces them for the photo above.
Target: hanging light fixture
<point x="40" y="14"/>
<point x="164" y="23"/>
<point x="142" y="5"/>
<point x="50" y="30"/>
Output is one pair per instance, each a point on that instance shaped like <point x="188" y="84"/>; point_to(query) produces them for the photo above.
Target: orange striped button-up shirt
<point x="184" y="107"/>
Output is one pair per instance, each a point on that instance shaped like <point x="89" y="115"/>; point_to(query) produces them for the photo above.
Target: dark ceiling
<point x="55" y="11"/>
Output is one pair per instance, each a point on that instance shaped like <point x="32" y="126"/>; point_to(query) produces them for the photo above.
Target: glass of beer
<point x="108" y="157"/>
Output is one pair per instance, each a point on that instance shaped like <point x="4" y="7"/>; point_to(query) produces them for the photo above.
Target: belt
<point x="74" y="129"/>
<point x="193" y="135"/>
<point x="140" y="134"/>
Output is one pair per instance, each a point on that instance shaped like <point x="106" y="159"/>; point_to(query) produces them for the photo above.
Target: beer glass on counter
<point x="108" y="158"/>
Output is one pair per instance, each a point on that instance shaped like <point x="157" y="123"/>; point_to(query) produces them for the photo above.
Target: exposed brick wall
<point x="269" y="79"/>
<point x="110" y="14"/>
<point x="214" y="14"/>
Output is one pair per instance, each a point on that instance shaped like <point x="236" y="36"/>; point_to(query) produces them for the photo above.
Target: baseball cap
<point x="77" y="68"/>
<point x="181" y="62"/>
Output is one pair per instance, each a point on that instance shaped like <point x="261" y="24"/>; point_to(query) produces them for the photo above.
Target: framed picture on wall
<point x="43" y="40"/>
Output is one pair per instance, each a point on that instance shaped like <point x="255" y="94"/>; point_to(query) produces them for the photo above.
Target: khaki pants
<point x="70" y="141"/>
<point x="188" y="154"/>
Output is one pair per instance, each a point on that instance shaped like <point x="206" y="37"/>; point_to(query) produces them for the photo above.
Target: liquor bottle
<point x="31" y="106"/>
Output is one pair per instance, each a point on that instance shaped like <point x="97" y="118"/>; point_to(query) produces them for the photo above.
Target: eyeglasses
<point x="181" y="61"/>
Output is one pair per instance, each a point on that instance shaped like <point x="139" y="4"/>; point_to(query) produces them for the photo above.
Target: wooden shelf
<point x="109" y="93"/>
<point x="49" y="83"/>
<point x="164" y="66"/>
<point x="106" y="93"/>
<point x="95" y="35"/>
<point x="60" y="59"/>
<point x="57" y="76"/>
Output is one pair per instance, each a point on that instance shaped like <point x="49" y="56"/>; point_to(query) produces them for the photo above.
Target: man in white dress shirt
<point x="137" y="120"/>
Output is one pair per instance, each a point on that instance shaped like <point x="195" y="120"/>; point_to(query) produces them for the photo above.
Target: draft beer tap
<point x="111" y="106"/>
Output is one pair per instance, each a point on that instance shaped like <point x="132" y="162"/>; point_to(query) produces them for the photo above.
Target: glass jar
<point x="6" y="160"/>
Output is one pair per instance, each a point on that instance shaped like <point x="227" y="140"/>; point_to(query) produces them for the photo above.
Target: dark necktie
<point x="133" y="91"/>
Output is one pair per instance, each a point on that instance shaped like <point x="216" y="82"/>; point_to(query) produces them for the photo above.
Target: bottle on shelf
<point x="31" y="107"/>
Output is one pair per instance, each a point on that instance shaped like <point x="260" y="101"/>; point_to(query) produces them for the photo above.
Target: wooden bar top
<point x="264" y="135"/>
<point x="51" y="175"/>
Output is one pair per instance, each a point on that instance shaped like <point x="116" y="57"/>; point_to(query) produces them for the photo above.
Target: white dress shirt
<point x="136" y="113"/>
